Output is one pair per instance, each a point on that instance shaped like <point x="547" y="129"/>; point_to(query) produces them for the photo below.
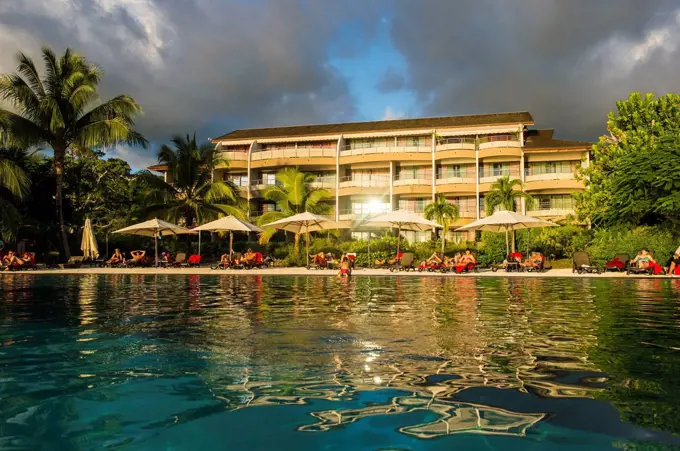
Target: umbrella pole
<point x="307" y="245"/>
<point x="231" y="244"/>
<point x="398" y="238"/>
<point x="155" y="239"/>
<point x="199" y="243"/>
<point x="507" y="242"/>
<point x="369" y="249"/>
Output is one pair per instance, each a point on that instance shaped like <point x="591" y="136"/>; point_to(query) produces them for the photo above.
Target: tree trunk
<point x="59" y="156"/>
<point x="443" y="242"/>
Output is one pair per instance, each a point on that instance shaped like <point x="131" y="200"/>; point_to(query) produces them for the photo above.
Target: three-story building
<point x="373" y="167"/>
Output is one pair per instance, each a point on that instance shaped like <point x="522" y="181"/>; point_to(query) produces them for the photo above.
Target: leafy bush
<point x="608" y="242"/>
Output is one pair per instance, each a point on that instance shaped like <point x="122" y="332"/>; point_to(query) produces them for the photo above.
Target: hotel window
<point x="413" y="205"/>
<point x="553" y="202"/>
<point x="450" y="171"/>
<point x="238" y="180"/>
<point x="269" y="179"/>
<point x="500" y="169"/>
<point x="455" y="237"/>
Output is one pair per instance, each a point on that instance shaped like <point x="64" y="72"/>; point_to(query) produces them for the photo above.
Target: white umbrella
<point x="505" y="221"/>
<point x="402" y="220"/>
<point x="229" y="224"/>
<point x="155" y="227"/>
<point x="304" y="222"/>
<point x="89" y="243"/>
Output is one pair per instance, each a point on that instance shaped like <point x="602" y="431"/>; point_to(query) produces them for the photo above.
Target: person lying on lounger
<point x="434" y="259"/>
<point x="249" y="257"/>
<point x="534" y="260"/>
<point x="11" y="260"/>
<point x="468" y="258"/>
<point x="117" y="257"/>
<point x="643" y="259"/>
<point x="391" y="261"/>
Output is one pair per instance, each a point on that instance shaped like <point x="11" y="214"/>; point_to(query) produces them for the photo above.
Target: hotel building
<point x="372" y="167"/>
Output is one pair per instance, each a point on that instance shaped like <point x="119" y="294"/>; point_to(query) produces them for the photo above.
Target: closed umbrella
<point x="155" y="228"/>
<point x="89" y="243"/>
<point x="402" y="220"/>
<point x="229" y="224"/>
<point x="304" y="223"/>
<point x="506" y="221"/>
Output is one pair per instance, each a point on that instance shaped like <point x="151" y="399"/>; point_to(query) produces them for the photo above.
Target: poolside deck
<point x="559" y="273"/>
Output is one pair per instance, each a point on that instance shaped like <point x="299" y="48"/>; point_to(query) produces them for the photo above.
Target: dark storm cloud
<point x="391" y="81"/>
<point x="192" y="63"/>
<point x="565" y="61"/>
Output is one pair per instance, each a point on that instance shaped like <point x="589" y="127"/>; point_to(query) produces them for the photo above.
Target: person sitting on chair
<point x="117" y="257"/>
<point x="249" y="257"/>
<point x="434" y="259"/>
<point x="643" y="259"/>
<point x="319" y="259"/>
<point x="674" y="267"/>
<point x="137" y="257"/>
<point x="11" y="260"/>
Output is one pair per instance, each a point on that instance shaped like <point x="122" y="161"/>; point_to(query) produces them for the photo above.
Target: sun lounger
<point x="652" y="269"/>
<point x="581" y="264"/>
<point x="619" y="263"/>
<point x="180" y="260"/>
<point x="405" y="263"/>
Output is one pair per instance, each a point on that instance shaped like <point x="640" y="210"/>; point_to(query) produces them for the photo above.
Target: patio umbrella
<point x="89" y="243"/>
<point x="505" y="221"/>
<point x="304" y="222"/>
<point x="402" y="220"/>
<point x="229" y="224"/>
<point x="155" y="227"/>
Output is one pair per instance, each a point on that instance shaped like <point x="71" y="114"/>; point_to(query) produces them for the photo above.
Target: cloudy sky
<point x="216" y="65"/>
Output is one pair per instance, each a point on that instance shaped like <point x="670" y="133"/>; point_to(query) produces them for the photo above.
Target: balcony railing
<point x="293" y="152"/>
<point x="539" y="173"/>
<point x="455" y="144"/>
<point x="262" y="183"/>
<point x="455" y="180"/>
<point x="494" y="175"/>
<point x="368" y="149"/>
<point x="239" y="183"/>
<point x="409" y="179"/>
<point x="374" y="181"/>
<point x="326" y="182"/>
<point x="490" y="142"/>
<point x="232" y="155"/>
<point x="552" y="212"/>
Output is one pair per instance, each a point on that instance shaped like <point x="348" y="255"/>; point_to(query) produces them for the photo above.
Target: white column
<point x="477" y="174"/>
<point x="248" y="175"/>
<point x="434" y="165"/>
<point x="391" y="183"/>
<point x="340" y="145"/>
<point x="522" y="174"/>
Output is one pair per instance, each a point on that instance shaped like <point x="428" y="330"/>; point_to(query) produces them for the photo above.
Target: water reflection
<point x="247" y="342"/>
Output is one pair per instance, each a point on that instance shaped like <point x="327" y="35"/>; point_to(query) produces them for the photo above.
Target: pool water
<point x="169" y="362"/>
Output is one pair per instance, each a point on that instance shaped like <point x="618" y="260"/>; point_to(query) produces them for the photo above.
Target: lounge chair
<point x="540" y="267"/>
<point x="73" y="262"/>
<point x="194" y="261"/>
<point x="180" y="260"/>
<point x="581" y="264"/>
<point x="318" y="262"/>
<point x="511" y="263"/>
<point x="619" y="263"/>
<point x="405" y="263"/>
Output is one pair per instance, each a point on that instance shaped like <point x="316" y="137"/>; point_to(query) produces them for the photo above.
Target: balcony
<point x="539" y="174"/>
<point x="234" y="155"/>
<point x="260" y="184"/>
<point x="325" y="182"/>
<point x="496" y="174"/>
<point x="462" y="179"/>
<point x="455" y="144"/>
<point x="502" y="141"/>
<point x="374" y="181"/>
<point x="467" y="212"/>
<point x="551" y="212"/>
<point x="368" y="149"/>
<point x="293" y="152"/>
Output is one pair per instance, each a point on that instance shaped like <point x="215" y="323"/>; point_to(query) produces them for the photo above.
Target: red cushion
<point x="194" y="259"/>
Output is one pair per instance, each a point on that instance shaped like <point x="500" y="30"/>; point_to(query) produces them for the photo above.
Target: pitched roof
<point x="543" y="139"/>
<point x="401" y="124"/>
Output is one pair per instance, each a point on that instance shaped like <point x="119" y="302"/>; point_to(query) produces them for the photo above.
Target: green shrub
<point x="608" y="242"/>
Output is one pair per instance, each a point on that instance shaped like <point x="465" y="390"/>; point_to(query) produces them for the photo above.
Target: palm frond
<point x="14" y="179"/>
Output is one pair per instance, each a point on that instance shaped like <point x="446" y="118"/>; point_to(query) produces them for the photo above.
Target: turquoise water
<point x="167" y="362"/>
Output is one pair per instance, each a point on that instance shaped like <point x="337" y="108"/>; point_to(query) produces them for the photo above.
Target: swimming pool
<point x="160" y="362"/>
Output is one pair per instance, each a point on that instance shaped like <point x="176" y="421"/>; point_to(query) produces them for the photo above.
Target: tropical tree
<point x="444" y="213"/>
<point x="14" y="186"/>
<point x="58" y="110"/>
<point x="293" y="194"/>
<point x="504" y="194"/>
<point x="633" y="177"/>
<point x="192" y="195"/>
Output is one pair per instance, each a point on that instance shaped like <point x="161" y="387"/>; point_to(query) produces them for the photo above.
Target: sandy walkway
<point x="304" y="272"/>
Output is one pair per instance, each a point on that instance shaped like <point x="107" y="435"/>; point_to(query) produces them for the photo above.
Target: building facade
<point x="373" y="167"/>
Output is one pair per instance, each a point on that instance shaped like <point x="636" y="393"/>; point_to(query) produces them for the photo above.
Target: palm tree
<point x="57" y="110"/>
<point x="444" y="213"/>
<point x="14" y="185"/>
<point x="504" y="195"/>
<point x="192" y="195"/>
<point x="293" y="194"/>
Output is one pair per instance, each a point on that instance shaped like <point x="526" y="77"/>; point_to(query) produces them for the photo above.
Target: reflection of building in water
<point x="453" y="418"/>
